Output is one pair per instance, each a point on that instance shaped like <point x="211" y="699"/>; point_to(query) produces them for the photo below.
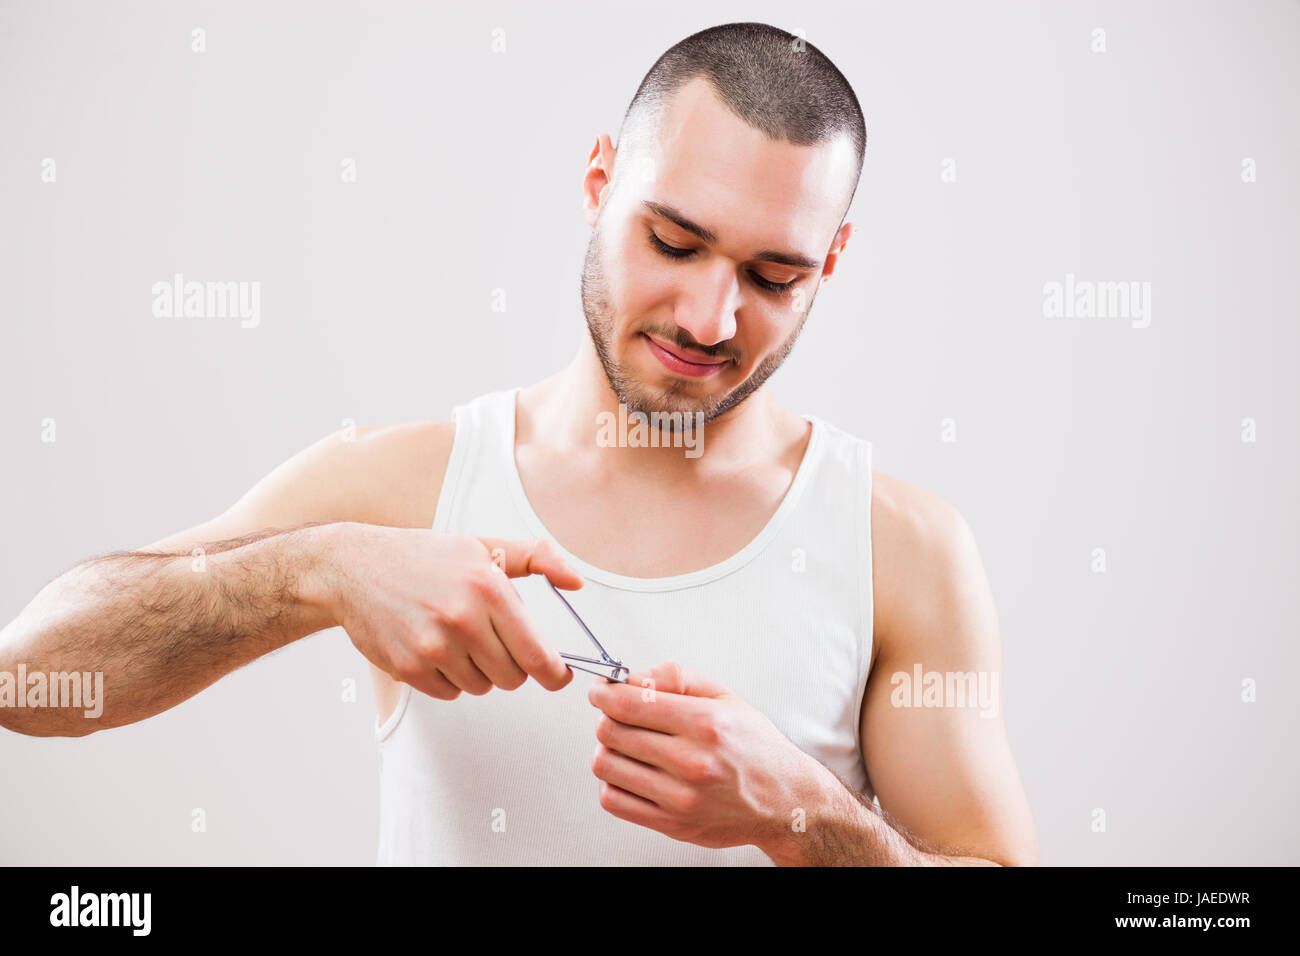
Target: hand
<point x="681" y="754"/>
<point x="436" y="611"/>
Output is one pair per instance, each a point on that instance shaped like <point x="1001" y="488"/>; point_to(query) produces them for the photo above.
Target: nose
<point x="707" y="312"/>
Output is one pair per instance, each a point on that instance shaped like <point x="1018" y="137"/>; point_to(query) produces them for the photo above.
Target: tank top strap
<point x="482" y="449"/>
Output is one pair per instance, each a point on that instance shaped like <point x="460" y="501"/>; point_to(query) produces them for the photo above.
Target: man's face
<point x="701" y="324"/>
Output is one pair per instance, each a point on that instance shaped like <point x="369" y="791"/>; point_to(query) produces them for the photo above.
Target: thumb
<point x="672" y="678"/>
<point x="521" y="558"/>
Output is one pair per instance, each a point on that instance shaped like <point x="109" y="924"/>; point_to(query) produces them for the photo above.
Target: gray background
<point x="1122" y="689"/>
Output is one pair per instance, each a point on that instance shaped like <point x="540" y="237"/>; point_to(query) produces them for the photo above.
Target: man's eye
<point x="675" y="252"/>
<point x="773" y="286"/>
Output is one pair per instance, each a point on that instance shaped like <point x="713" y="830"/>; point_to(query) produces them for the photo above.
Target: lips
<point x="682" y="361"/>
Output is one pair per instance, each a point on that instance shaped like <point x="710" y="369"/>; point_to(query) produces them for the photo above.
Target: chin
<point x="662" y="393"/>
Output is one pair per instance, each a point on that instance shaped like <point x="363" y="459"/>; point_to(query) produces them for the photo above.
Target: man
<point x="772" y="594"/>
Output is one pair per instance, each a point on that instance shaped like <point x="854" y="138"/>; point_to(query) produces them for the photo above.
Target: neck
<point x="566" y="411"/>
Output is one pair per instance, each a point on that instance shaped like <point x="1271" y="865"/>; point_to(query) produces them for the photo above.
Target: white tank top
<point x="506" y="779"/>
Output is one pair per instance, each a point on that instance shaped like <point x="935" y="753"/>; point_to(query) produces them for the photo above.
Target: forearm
<point x="841" y="829"/>
<point x="159" y="627"/>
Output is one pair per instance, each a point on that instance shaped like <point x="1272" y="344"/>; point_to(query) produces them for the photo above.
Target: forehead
<point x="724" y="174"/>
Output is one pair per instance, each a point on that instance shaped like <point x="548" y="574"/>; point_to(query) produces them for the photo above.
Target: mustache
<point x="682" y="340"/>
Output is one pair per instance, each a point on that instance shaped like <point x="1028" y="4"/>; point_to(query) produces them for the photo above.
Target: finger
<point x="465" y="674"/>
<point x="525" y="644"/>
<point x="521" y="558"/>
<point x="633" y="809"/>
<point x="671" y="677"/>
<point x="648" y="746"/>
<point x="442" y="688"/>
<point x="432" y="682"/>
<point x="637" y="778"/>
<point x="484" y="644"/>
<point x="452" y="667"/>
<point x="492" y="658"/>
<point x="646" y="706"/>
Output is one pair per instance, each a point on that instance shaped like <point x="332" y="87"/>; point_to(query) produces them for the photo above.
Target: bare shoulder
<point x="375" y="474"/>
<point x="928" y="578"/>
<point x="913" y="525"/>
<point x="399" y="467"/>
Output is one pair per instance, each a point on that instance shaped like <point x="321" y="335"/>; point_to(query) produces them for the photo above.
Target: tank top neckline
<point x="505" y="417"/>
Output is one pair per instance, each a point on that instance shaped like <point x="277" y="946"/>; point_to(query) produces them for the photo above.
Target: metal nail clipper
<point x="611" y="668"/>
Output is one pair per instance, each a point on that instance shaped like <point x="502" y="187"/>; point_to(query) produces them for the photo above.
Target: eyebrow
<point x="794" y="259"/>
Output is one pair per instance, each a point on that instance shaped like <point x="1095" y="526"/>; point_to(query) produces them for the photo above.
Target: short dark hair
<point x="774" y="81"/>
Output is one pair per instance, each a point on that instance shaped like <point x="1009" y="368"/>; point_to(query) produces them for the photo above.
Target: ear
<point x="596" y="182"/>
<point x="841" y="240"/>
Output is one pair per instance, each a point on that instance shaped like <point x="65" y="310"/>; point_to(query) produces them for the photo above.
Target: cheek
<point x="647" y="280"/>
<point x="626" y="278"/>
<point x="644" y="293"/>
<point x="768" y="325"/>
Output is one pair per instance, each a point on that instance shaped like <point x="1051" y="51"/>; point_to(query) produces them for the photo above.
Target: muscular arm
<point x="947" y="784"/>
<point x="161" y="624"/>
